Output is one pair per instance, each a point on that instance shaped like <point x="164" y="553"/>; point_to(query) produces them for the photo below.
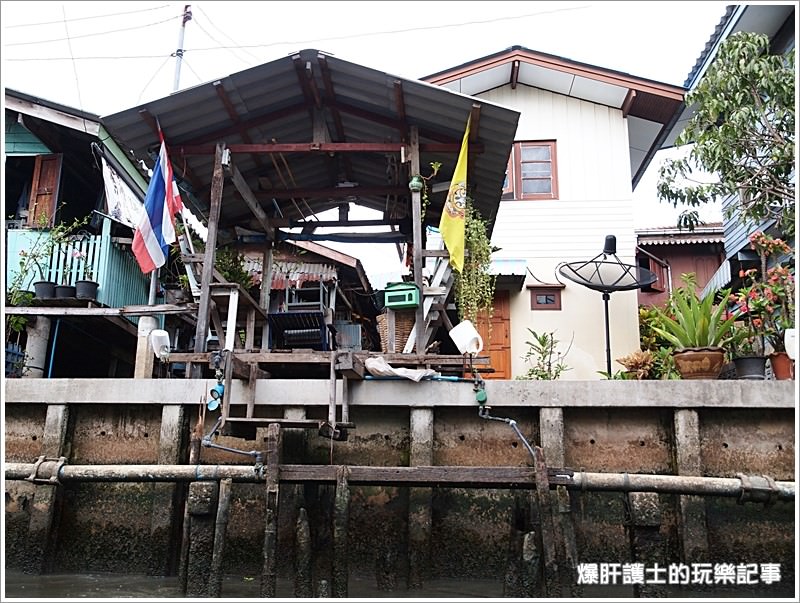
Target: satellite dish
<point x="607" y="273"/>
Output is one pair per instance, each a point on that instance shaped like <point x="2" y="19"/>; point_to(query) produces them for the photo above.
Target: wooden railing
<point x="89" y="257"/>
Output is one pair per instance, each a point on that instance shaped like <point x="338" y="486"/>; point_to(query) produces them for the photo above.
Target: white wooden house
<point x="584" y="138"/>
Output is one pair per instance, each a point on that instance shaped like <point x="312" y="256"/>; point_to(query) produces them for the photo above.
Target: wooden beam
<point x="290" y="223"/>
<point x="514" y="74"/>
<point x="417" y="242"/>
<point x="134" y="310"/>
<point x="400" y="105"/>
<point x="244" y="190"/>
<point x="628" y="102"/>
<point x="421" y="476"/>
<point x="225" y="99"/>
<point x="338" y="192"/>
<point x="245" y="370"/>
<point x="201" y="332"/>
<point x="350" y="366"/>
<point x="337" y="116"/>
<point x="327" y="147"/>
<point x="247" y="124"/>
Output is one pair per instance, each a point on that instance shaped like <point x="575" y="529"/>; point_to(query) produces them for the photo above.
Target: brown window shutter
<point x="44" y="190"/>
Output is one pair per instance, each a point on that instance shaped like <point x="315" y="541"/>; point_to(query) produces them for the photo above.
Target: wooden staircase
<point x="434" y="300"/>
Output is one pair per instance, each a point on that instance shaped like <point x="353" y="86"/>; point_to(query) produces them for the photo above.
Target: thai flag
<point x="157" y="227"/>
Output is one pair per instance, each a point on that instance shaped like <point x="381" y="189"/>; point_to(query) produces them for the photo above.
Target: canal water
<point x="102" y="587"/>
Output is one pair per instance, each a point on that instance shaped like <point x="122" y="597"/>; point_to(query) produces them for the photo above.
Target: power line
<point x="395" y="31"/>
<point x="131" y="12"/>
<point x="74" y="68"/>
<point x="203" y="29"/>
<point x="90" y="35"/>
<point x="217" y="27"/>
<point x="94" y="58"/>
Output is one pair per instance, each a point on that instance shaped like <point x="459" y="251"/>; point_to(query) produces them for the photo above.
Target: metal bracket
<point x="757" y="488"/>
<point x="53" y="479"/>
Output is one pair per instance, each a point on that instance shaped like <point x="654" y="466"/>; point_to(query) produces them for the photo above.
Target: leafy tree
<point x="743" y="133"/>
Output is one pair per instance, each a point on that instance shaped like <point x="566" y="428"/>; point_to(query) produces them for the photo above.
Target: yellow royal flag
<point x="451" y="224"/>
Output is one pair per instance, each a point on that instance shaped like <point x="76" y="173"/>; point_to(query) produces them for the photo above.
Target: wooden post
<point x="692" y="509"/>
<point x="391" y="337"/>
<point x="551" y="435"/>
<point x="303" y="556"/>
<point x="531" y="574"/>
<point x="223" y="511"/>
<point x="419" y="500"/>
<point x="204" y="307"/>
<point x="647" y="544"/>
<point x="269" y="575"/>
<point x="416" y="219"/>
<point x="341" y="517"/>
<point x="143" y="368"/>
<point x="46" y="498"/>
<point x="194" y="458"/>
<point x="549" y="535"/>
<point x="202" y="512"/>
<point x="164" y="513"/>
<point x="266" y="291"/>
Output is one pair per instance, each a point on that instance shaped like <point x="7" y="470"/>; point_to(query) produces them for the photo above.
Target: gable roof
<point x="649" y="106"/>
<point x="309" y="100"/>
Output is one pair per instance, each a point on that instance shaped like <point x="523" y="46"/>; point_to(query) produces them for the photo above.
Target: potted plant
<point x="85" y="286"/>
<point x="767" y="302"/>
<point x="698" y="330"/>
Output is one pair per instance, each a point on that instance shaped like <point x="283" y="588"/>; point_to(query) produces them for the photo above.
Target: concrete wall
<point x="741" y="427"/>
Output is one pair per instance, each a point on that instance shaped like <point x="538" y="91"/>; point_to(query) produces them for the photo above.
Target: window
<point x="657" y="269"/>
<point x="545" y="298"/>
<point x="508" y="181"/>
<point x="535" y="170"/>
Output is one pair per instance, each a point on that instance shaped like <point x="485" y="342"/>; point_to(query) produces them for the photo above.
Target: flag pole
<point x="187" y="16"/>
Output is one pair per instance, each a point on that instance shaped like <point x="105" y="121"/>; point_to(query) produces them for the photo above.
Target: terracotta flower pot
<point x="699" y="363"/>
<point x="782" y="365"/>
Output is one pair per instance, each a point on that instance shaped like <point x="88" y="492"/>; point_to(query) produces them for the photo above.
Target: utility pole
<point x="187" y="16"/>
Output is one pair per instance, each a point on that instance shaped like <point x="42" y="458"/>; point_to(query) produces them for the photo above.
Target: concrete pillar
<point x="165" y="513"/>
<point x="144" y="351"/>
<point x="647" y="543"/>
<point x="38" y="329"/>
<point x="551" y="435"/>
<point x="691" y="509"/>
<point x="419" y="500"/>
<point x="202" y="503"/>
<point x="46" y="499"/>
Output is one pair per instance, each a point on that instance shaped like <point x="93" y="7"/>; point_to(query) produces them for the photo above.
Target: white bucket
<point x="466" y="338"/>
<point x="790" y="342"/>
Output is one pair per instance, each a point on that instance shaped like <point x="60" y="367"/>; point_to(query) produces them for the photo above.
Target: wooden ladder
<point x="434" y="299"/>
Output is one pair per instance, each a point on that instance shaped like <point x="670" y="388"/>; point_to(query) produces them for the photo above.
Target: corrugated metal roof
<point x="309" y="97"/>
<point x="294" y="274"/>
<point x="710" y="233"/>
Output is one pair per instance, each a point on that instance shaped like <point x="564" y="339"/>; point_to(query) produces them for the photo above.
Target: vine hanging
<point x="474" y="286"/>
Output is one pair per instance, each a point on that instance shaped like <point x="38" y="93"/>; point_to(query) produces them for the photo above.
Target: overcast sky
<point x="103" y="57"/>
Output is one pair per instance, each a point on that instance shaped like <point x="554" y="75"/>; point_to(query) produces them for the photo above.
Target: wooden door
<point x="497" y="343"/>
<point x="44" y="190"/>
